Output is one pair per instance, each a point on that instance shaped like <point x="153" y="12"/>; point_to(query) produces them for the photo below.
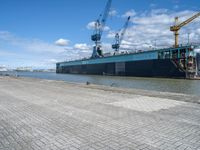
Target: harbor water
<point x="191" y="87"/>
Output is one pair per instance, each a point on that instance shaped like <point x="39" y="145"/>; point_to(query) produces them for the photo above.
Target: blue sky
<point x="29" y="29"/>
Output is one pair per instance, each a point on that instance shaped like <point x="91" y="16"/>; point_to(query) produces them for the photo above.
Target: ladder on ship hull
<point x="187" y="66"/>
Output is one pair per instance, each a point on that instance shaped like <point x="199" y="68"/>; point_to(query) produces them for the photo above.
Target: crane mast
<point x="177" y="27"/>
<point x="119" y="38"/>
<point x="99" y="27"/>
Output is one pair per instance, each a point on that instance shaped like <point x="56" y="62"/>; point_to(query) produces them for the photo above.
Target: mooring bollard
<point x="87" y="83"/>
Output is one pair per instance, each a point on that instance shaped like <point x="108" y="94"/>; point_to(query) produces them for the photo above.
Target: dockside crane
<point x="119" y="38"/>
<point x="99" y="27"/>
<point x="177" y="27"/>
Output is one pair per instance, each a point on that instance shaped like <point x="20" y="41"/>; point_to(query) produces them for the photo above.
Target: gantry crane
<point x="177" y="27"/>
<point x="99" y="27"/>
<point x="119" y="38"/>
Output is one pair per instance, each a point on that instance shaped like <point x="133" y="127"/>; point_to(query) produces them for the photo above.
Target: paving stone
<point x="52" y="115"/>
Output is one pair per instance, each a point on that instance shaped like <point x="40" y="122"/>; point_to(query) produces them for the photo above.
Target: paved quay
<point x="38" y="114"/>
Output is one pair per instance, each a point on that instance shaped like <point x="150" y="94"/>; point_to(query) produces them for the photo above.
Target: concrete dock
<point x="38" y="114"/>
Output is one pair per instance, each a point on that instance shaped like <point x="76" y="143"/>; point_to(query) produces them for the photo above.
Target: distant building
<point x="2" y="68"/>
<point x="29" y="69"/>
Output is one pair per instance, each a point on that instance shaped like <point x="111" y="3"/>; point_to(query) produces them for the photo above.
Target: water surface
<point x="157" y="84"/>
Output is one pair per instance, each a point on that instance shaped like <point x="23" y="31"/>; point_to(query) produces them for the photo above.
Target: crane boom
<point x="119" y="38"/>
<point x="100" y="23"/>
<point x="177" y="27"/>
<point x="124" y="30"/>
<point x="189" y="20"/>
<point x="99" y="27"/>
<point x="105" y="15"/>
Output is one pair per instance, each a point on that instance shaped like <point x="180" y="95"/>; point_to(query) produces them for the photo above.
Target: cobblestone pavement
<point x="42" y="115"/>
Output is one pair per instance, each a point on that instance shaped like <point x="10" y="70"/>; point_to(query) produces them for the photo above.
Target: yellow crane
<point x="177" y="27"/>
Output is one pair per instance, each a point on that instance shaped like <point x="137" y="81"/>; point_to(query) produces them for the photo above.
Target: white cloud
<point x="82" y="46"/>
<point x="29" y="52"/>
<point x="106" y="28"/>
<point x="4" y="53"/>
<point x="51" y="61"/>
<point x="42" y="64"/>
<point x="152" y="20"/>
<point x="107" y="47"/>
<point x="112" y="13"/>
<point x="91" y="26"/>
<point x="151" y="29"/>
<point x="159" y="11"/>
<point x="62" y="42"/>
<point x="129" y="13"/>
<point x="39" y="54"/>
<point x="32" y="45"/>
<point x="5" y="35"/>
<point x="111" y="34"/>
<point x="42" y="47"/>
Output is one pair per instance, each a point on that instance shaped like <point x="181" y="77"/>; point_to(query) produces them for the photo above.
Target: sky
<point x="39" y="33"/>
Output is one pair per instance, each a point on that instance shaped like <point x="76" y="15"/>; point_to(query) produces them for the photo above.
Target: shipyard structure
<point x="174" y="62"/>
